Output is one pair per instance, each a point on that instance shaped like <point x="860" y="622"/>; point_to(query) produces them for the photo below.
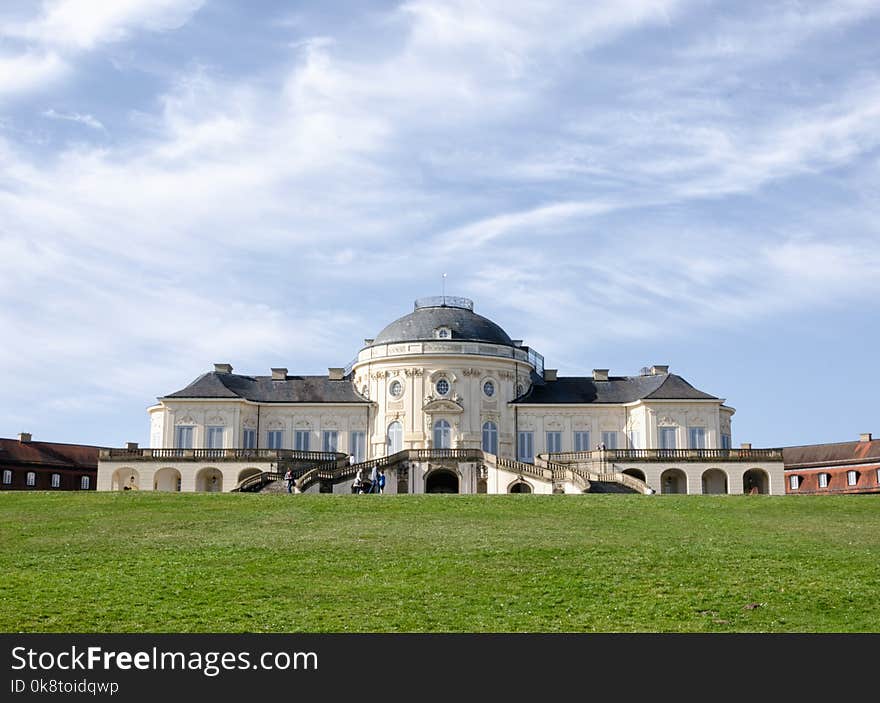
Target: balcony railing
<point x="678" y="455"/>
<point x="215" y="455"/>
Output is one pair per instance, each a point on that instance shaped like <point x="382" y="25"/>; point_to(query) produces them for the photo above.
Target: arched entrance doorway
<point x="519" y="487"/>
<point x="714" y="482"/>
<point x="126" y="480"/>
<point x="756" y="481"/>
<point x="441" y="481"/>
<point x="247" y="473"/>
<point x="673" y="481"/>
<point x="167" y="480"/>
<point x="209" y="481"/>
<point x="635" y="473"/>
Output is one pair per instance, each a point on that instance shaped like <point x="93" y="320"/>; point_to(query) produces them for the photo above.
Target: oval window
<point x="489" y="388"/>
<point x="442" y="386"/>
<point x="396" y="389"/>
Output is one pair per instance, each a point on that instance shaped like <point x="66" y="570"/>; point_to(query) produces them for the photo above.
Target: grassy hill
<point x="140" y="562"/>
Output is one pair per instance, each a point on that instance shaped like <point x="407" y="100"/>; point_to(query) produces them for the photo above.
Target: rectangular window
<point x="609" y="439"/>
<point x="301" y="440"/>
<point x="823" y="480"/>
<point x="725" y="441"/>
<point x="878" y="477"/>
<point x="358" y="442"/>
<point x="582" y="441"/>
<point x="794" y="482"/>
<point x="329" y="440"/>
<point x="183" y="437"/>
<point x="7" y="476"/>
<point x="249" y="439"/>
<point x="525" y="447"/>
<point x="667" y="438"/>
<point x="635" y="439"/>
<point x="84" y="483"/>
<point x="554" y="442"/>
<point x="31" y="478"/>
<point x="56" y="480"/>
<point x="275" y="438"/>
<point x="697" y="437"/>
<point x="852" y="478"/>
<point x="214" y="438"/>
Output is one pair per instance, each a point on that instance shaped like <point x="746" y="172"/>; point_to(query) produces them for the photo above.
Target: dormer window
<point x="443" y="333"/>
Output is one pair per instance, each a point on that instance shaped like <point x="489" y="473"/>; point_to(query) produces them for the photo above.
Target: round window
<point x="489" y="388"/>
<point x="396" y="389"/>
<point x="442" y="386"/>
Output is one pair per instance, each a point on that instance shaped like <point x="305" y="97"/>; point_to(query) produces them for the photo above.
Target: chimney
<point x="657" y="370"/>
<point x="131" y="446"/>
<point x="337" y="373"/>
<point x="866" y="437"/>
<point x="279" y="374"/>
<point x="600" y="374"/>
<point x="550" y="374"/>
<point x="222" y="368"/>
<point x="24" y="437"/>
<point x="745" y="445"/>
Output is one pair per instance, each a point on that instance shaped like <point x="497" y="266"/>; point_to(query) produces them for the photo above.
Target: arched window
<point x="442" y="434"/>
<point x="84" y="483"/>
<point x="395" y="437"/>
<point x="7" y="476"/>
<point x="56" y="480"/>
<point x="490" y="437"/>
<point x="31" y="478"/>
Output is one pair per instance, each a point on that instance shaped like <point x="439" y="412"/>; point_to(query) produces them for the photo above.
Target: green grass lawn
<point x="141" y="562"/>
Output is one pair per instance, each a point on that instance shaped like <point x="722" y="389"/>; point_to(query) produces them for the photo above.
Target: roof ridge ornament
<point x="444" y="301"/>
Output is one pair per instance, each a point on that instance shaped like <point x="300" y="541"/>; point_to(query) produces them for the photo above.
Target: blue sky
<point x="618" y="183"/>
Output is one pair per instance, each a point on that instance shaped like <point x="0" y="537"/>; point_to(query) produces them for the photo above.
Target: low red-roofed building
<point x="49" y="466"/>
<point x="840" y="467"/>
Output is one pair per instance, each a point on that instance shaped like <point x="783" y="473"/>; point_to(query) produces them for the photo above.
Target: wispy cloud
<point x="87" y="120"/>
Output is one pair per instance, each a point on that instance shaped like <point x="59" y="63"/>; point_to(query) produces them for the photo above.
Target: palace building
<point x="443" y="400"/>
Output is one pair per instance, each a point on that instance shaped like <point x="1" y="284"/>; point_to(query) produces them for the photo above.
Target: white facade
<point x="444" y="378"/>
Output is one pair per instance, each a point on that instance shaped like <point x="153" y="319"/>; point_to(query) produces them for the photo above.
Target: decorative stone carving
<point x="667" y="421"/>
<point x="471" y="372"/>
<point x="506" y="375"/>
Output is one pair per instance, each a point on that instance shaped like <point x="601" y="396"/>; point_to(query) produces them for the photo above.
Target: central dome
<point x="432" y="317"/>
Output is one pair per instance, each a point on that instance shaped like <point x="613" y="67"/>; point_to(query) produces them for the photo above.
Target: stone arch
<point x="167" y="480"/>
<point x="248" y="472"/>
<point x="209" y="480"/>
<point x="126" y="479"/>
<point x="673" y="481"/>
<point x="635" y="473"/>
<point x="715" y="482"/>
<point x="756" y="481"/>
<point x="520" y="486"/>
<point x="442" y="481"/>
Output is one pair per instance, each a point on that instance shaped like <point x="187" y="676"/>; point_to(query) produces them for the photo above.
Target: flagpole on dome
<point x="443" y="297"/>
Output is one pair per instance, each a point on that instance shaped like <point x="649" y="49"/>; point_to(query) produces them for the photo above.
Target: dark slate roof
<point x="464" y="325"/>
<point x="263" y="389"/>
<point x="617" y="389"/>
<point x="50" y="454"/>
<point x="826" y="454"/>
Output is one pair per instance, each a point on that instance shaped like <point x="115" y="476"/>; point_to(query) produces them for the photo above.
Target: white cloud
<point x="87" y="120"/>
<point x="30" y="71"/>
<point x="83" y="24"/>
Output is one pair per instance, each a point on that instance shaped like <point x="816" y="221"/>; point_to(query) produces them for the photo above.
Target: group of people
<point x="375" y="484"/>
